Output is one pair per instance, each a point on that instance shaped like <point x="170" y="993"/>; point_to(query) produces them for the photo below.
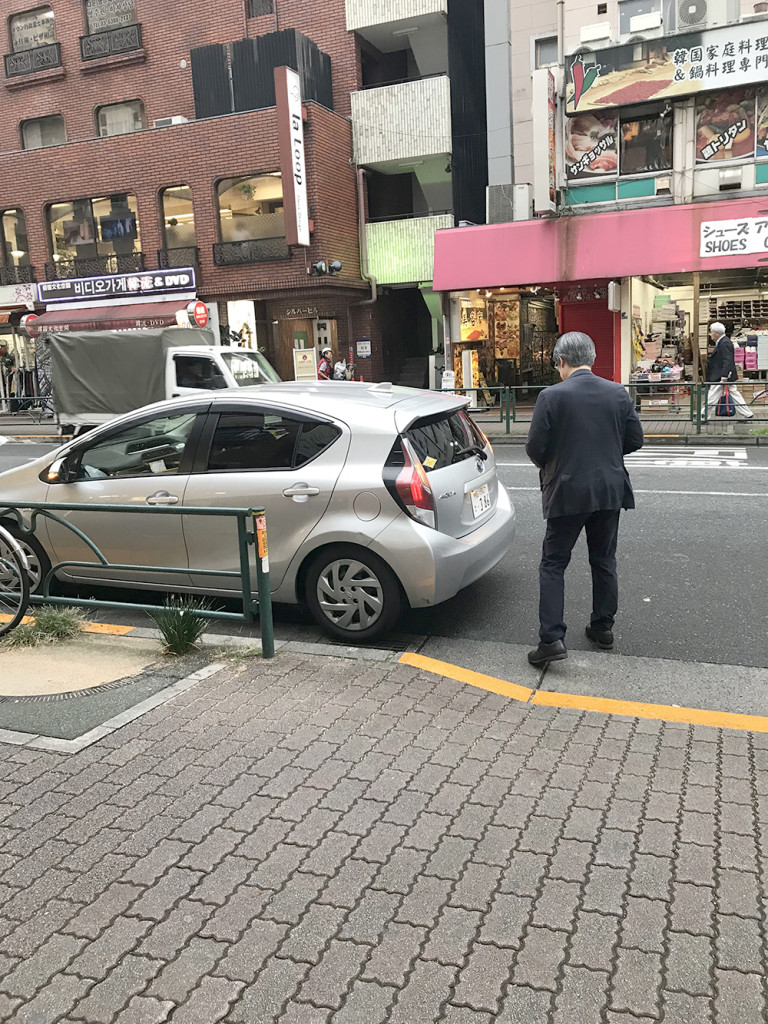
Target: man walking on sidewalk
<point x="721" y="371"/>
<point x="580" y="432"/>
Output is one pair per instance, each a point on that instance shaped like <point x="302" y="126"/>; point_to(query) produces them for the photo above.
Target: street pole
<point x="696" y="326"/>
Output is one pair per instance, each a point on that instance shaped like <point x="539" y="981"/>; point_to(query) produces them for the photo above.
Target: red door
<point x="593" y="317"/>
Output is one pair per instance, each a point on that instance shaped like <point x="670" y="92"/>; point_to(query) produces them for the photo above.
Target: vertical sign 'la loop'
<point x="292" y="158"/>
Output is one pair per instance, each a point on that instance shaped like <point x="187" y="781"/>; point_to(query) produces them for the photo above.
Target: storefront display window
<point x="725" y="126"/>
<point x="13" y="236"/>
<point x="103" y="15"/>
<point x="178" y="217"/>
<point x="251" y="207"/>
<point x="94" y="227"/>
<point x="32" y="29"/>
<point x="591" y="149"/>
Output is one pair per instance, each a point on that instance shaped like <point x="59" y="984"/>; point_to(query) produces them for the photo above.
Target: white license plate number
<point x="481" y="501"/>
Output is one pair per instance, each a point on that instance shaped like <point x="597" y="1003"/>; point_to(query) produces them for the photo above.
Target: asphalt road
<point x="692" y="562"/>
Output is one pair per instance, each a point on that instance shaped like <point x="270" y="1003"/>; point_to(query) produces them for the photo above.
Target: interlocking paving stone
<point x="321" y="841"/>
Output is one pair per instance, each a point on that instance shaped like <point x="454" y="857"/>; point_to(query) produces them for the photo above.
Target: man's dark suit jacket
<point x="721" y="363"/>
<point x="580" y="432"/>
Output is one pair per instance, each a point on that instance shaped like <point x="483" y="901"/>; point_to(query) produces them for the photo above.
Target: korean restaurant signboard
<point x="678" y="65"/>
<point x="734" y="237"/>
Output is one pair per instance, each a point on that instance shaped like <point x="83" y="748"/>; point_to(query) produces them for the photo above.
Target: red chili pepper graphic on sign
<point x="582" y="80"/>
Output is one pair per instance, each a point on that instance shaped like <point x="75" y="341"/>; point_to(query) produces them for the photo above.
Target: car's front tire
<point x="352" y="593"/>
<point x="37" y="558"/>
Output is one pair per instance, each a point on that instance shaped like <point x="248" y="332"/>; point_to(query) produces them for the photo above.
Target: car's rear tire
<point x="37" y="559"/>
<point x="352" y="594"/>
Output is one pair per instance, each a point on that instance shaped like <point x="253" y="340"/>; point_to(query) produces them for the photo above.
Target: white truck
<point x="97" y="375"/>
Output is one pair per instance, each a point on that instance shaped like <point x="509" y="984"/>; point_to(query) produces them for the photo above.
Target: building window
<point x="629" y="9"/>
<point x="257" y="8"/>
<point x="32" y="29"/>
<point x="13" y="237"/>
<point x="725" y="126"/>
<point x="646" y="144"/>
<point x="545" y="53"/>
<point x="104" y="15"/>
<point x="121" y="118"/>
<point x="92" y="228"/>
<point x="251" y="208"/>
<point x="178" y="217"/>
<point x="43" y="132"/>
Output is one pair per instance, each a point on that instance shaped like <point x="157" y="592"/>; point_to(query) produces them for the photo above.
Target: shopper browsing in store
<point x="721" y="373"/>
<point x="580" y="432"/>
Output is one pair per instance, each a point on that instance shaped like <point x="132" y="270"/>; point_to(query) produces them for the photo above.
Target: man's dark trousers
<point x="602" y="529"/>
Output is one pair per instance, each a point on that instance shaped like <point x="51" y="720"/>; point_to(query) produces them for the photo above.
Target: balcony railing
<point x="394" y="123"/>
<point x="111" y="43"/>
<point x="94" y="266"/>
<point x="27" y="62"/>
<point x="254" y="250"/>
<point x="402" y="251"/>
<point x="17" y="275"/>
<point x="182" y="256"/>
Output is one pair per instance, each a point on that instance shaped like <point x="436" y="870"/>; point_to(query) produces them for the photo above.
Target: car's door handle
<point x="301" y="491"/>
<point x="162" y="498"/>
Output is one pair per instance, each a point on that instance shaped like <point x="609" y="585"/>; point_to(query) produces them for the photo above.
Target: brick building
<point x="132" y="140"/>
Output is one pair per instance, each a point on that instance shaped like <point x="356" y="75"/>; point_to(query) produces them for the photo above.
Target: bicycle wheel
<point x="14" y="583"/>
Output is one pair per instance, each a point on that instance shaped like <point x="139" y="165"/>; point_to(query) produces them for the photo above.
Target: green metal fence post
<point x="514" y="405"/>
<point x="262" y="582"/>
<point x="698" y="408"/>
<point x="509" y="400"/>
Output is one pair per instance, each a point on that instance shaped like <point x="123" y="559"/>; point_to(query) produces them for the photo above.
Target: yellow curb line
<point x="465" y="675"/>
<point x="104" y="628"/>
<point x="601" y="705"/>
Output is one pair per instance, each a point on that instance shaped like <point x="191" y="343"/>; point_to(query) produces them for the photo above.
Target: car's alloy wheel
<point x="38" y="563"/>
<point x="352" y="594"/>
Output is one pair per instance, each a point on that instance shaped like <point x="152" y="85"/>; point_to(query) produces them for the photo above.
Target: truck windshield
<point x="248" y="367"/>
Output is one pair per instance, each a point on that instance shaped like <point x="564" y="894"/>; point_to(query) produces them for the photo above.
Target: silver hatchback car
<point x="377" y="497"/>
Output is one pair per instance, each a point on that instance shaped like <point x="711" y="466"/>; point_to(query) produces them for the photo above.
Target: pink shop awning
<point x="586" y="247"/>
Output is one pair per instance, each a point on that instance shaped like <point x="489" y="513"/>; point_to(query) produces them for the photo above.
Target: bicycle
<point x="14" y="582"/>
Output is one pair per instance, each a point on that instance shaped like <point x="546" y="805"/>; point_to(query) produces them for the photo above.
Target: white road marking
<point x="3" y="440"/>
<point x="706" y="494"/>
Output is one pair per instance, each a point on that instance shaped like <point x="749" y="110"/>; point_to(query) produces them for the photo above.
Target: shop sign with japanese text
<point x="32" y="29"/>
<point x="679" y="65"/>
<point x="734" y="237"/>
<point x="117" y="286"/>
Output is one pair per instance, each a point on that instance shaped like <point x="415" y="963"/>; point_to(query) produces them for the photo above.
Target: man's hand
<point x="723" y="380"/>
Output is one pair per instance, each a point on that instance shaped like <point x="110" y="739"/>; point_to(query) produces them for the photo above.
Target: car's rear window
<point x="438" y="440"/>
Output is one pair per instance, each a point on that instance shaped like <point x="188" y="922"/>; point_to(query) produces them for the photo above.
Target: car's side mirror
<point x="62" y="471"/>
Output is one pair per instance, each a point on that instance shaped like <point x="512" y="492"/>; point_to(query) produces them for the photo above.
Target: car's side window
<point x="152" y="447"/>
<point x="253" y="440"/>
<point x="314" y="439"/>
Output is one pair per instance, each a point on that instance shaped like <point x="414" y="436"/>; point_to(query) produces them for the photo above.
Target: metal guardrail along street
<point x="251" y="532"/>
<point x="665" y="408"/>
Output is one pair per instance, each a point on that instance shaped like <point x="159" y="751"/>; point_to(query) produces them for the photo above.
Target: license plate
<point x="481" y="501"/>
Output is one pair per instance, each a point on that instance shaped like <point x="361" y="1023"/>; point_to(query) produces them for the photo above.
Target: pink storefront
<point x="643" y="283"/>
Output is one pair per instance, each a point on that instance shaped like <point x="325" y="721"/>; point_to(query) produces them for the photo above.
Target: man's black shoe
<point x="545" y="653"/>
<point x="602" y="637"/>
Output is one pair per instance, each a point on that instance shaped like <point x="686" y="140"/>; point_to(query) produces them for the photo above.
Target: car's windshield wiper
<point x="474" y="449"/>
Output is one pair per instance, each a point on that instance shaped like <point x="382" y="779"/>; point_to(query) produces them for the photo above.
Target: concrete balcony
<point x="394" y="125"/>
<point x="403" y="251"/>
<point x="366" y="16"/>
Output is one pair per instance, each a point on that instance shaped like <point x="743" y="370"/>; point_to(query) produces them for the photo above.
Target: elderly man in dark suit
<point x="580" y="432"/>
<point x="721" y="371"/>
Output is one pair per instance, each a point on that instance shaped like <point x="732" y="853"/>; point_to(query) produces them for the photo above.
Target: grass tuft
<point x="52" y="624"/>
<point x="181" y="624"/>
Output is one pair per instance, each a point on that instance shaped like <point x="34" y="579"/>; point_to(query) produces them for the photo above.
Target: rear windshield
<point x="439" y="440"/>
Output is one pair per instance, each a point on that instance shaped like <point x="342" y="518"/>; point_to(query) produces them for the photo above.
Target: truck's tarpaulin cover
<point x="112" y="372"/>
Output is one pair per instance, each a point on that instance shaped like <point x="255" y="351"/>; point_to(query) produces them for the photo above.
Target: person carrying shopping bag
<point x="722" y="375"/>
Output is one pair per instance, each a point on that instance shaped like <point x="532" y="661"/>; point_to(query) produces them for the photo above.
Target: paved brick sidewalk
<point x="314" y="840"/>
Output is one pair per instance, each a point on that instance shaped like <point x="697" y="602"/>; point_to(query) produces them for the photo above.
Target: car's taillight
<point x="410" y="486"/>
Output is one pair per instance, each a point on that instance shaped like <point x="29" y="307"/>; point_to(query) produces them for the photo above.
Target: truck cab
<point x="209" y="368"/>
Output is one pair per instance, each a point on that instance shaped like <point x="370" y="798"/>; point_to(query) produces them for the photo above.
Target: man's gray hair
<point x="718" y="328"/>
<point x="575" y="349"/>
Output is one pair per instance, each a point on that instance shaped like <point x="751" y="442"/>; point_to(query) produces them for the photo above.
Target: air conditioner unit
<point x="166" y="122"/>
<point x="599" y="32"/>
<point x="706" y="13"/>
<point x="500" y="204"/>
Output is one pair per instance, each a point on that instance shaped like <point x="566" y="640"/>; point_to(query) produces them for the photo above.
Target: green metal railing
<point x="671" y="408"/>
<point x="251" y="532"/>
